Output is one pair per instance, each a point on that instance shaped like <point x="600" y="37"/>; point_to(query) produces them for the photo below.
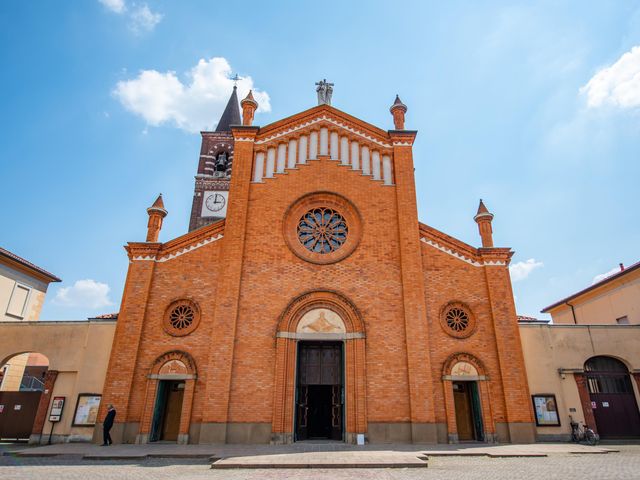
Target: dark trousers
<point x="105" y="435"/>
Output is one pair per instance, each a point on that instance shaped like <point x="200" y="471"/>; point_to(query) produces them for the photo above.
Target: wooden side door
<point x="464" y="417"/>
<point x="173" y="411"/>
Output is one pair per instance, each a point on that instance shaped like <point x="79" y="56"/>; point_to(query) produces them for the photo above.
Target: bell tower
<point x="211" y="192"/>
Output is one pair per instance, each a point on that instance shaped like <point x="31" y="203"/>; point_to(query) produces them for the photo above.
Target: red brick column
<point x="519" y="411"/>
<point x="43" y="406"/>
<point x="585" y="400"/>
<point x="413" y="290"/>
<point x="450" y="408"/>
<point x="220" y="362"/>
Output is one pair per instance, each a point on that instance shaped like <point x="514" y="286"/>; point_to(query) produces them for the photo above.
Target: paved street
<point x="615" y="466"/>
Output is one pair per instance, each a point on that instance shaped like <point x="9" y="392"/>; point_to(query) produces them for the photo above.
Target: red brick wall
<point x="244" y="281"/>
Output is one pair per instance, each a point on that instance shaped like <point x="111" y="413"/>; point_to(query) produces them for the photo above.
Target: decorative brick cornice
<point x="484" y="257"/>
<point x="160" y="253"/>
<point x="402" y="138"/>
<point x="244" y="133"/>
<point x="325" y="118"/>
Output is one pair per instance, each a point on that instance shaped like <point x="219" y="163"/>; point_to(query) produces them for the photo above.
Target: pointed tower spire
<point x="231" y="114"/>
<point x="398" y="109"/>
<point x="484" y="218"/>
<point x="156" y="213"/>
<point x="249" y="106"/>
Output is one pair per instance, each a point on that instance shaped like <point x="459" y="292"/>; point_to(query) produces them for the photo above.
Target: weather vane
<point x="235" y="79"/>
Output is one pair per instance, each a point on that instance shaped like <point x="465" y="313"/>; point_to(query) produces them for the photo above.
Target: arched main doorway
<point x="22" y="382"/>
<point x="319" y="370"/>
<point x="612" y="398"/>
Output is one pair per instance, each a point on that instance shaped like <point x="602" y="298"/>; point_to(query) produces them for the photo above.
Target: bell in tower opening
<point x="215" y="168"/>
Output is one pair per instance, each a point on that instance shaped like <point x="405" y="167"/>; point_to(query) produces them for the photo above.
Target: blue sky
<point x="533" y="107"/>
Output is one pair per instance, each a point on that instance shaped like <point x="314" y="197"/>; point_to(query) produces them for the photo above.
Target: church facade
<point x="307" y="300"/>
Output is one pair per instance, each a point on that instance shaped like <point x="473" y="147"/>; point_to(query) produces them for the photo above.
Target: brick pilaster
<point x="126" y="341"/>
<point x="414" y="302"/>
<point x="220" y="362"/>
<point x="43" y="405"/>
<point x="508" y="347"/>
<point x="585" y="401"/>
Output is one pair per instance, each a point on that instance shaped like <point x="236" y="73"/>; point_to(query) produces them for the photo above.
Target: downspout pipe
<point x="573" y="312"/>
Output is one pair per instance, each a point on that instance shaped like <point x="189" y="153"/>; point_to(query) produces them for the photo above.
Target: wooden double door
<point x="319" y="391"/>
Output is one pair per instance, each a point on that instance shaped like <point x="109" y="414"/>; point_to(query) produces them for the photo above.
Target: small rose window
<point x="322" y="230"/>
<point x="181" y="318"/>
<point x="457" y="320"/>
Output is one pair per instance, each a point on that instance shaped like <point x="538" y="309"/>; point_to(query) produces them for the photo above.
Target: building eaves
<point x="28" y="265"/>
<point x="615" y="276"/>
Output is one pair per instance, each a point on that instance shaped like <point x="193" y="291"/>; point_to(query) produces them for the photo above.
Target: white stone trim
<point x="145" y="258"/>
<point x="244" y="139"/>
<point x="182" y="251"/>
<point x="330" y="120"/>
<point x="448" y="251"/>
<point x="320" y="336"/>
<point x="402" y="144"/>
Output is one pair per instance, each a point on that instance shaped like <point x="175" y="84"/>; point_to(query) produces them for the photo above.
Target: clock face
<point x="215" y="202"/>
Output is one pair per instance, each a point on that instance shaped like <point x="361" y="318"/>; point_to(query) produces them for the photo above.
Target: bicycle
<point x="581" y="434"/>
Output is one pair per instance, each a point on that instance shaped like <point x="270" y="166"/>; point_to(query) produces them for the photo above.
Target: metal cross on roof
<point x="235" y="79"/>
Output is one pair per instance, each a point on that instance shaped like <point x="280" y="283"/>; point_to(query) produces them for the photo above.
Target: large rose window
<point x="322" y="230"/>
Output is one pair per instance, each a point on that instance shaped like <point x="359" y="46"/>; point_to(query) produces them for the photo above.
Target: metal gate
<point x="612" y="398"/>
<point x="17" y="414"/>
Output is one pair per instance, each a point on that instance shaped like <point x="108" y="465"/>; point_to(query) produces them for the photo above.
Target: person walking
<point x="107" y="424"/>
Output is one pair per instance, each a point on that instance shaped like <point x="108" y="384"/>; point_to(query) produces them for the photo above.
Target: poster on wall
<point x="87" y="410"/>
<point x="546" y="410"/>
<point x="56" y="409"/>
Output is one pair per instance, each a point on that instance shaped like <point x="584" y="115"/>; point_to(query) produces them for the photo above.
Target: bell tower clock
<point x="211" y="193"/>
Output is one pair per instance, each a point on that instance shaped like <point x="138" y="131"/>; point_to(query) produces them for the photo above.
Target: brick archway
<point x="286" y="346"/>
<point x="483" y="388"/>
<point x="157" y="373"/>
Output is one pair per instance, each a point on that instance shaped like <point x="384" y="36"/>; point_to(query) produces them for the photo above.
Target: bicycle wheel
<point x="590" y="437"/>
<point x="575" y="436"/>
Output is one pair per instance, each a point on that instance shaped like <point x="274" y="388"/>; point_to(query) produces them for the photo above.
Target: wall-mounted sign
<point x="86" y="410"/>
<point x="1" y="408"/>
<point x="546" y="410"/>
<point x="56" y="409"/>
<point x="17" y="407"/>
<point x="605" y="404"/>
<point x="594" y="404"/>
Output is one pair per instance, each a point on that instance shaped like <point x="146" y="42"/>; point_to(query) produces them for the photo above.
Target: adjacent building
<point x="588" y="359"/>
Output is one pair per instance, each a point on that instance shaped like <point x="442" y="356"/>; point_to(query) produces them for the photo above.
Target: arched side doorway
<point x="169" y="398"/>
<point x="466" y="391"/>
<point x="613" y="401"/>
<point x="24" y="379"/>
<point x="320" y="370"/>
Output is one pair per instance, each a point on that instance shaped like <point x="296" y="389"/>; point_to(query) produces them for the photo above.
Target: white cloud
<point x="193" y="105"/>
<point x="521" y="270"/>
<point x="617" y="85"/>
<point x="604" y="275"/>
<point x="143" y="19"/>
<point x="84" y="293"/>
<point x="116" y="6"/>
